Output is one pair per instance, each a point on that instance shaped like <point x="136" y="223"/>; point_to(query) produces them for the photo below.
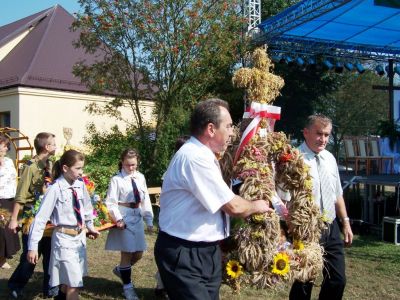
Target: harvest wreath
<point x="281" y="246"/>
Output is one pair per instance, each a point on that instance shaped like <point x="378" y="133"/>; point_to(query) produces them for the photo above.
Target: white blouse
<point x="57" y="206"/>
<point x="8" y="182"/>
<point x="120" y="190"/>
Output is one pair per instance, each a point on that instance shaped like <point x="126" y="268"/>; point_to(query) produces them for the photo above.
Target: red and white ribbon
<point x="257" y="111"/>
<point x="265" y="111"/>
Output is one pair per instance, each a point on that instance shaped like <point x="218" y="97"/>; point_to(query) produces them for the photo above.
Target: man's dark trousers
<point x="189" y="270"/>
<point x="334" y="280"/>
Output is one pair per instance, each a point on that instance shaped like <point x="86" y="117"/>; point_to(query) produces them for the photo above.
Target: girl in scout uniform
<point x="67" y="204"/>
<point x="128" y="203"/>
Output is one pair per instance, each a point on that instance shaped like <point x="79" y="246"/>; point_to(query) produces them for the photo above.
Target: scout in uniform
<point x="129" y="204"/>
<point x="68" y="206"/>
<point x="29" y="189"/>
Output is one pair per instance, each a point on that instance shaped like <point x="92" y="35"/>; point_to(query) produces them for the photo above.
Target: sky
<point x="13" y="10"/>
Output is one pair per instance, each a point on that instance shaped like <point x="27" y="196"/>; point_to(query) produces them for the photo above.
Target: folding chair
<point x="351" y="155"/>
<point x="375" y="151"/>
<point x="364" y="153"/>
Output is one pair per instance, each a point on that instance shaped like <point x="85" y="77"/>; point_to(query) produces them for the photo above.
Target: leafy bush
<point x="174" y="127"/>
<point x="155" y="152"/>
<point x="106" y="147"/>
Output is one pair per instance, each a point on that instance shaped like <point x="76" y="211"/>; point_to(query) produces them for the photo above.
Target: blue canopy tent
<point x="352" y="30"/>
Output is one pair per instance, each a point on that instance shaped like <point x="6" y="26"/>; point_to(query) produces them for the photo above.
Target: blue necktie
<point x="77" y="207"/>
<point x="135" y="191"/>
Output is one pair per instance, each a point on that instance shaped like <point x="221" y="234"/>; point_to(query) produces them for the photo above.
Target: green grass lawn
<point x="373" y="272"/>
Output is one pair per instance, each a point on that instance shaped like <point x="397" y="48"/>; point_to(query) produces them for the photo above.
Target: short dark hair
<point x="128" y="153"/>
<point x="180" y="141"/>
<point x="317" y="118"/>
<point x="5" y="140"/>
<point x="205" y="112"/>
<point x="41" y="141"/>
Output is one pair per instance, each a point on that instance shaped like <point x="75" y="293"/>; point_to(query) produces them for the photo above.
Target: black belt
<point x="187" y="243"/>
<point x="129" y="204"/>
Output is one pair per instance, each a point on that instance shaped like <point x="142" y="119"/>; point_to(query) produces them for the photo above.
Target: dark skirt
<point x="9" y="241"/>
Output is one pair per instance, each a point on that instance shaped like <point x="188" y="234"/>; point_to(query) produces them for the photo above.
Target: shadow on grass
<point x="94" y="288"/>
<point x="373" y="249"/>
<point x="3" y="289"/>
<point x="32" y="290"/>
<point x="102" y="288"/>
<point x="366" y="241"/>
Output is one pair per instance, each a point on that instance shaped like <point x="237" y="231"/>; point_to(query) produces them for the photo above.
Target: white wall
<point x="44" y="110"/>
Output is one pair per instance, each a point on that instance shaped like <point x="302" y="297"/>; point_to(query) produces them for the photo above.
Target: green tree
<point x="354" y="106"/>
<point x="300" y="96"/>
<point x="303" y="87"/>
<point x="272" y="7"/>
<point x="172" y="52"/>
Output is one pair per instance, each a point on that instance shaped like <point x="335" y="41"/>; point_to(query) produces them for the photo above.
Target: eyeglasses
<point x="130" y="165"/>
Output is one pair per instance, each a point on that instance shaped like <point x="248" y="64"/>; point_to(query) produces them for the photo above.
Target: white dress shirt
<point x="329" y="162"/>
<point x="57" y="206"/>
<point x="120" y="190"/>
<point x="192" y="195"/>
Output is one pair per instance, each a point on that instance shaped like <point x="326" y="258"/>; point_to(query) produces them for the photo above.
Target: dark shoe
<point x="161" y="294"/>
<point x="14" y="295"/>
<point x="60" y="296"/>
<point x="116" y="272"/>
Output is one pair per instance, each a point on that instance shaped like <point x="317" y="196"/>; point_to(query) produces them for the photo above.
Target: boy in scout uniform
<point x="30" y="186"/>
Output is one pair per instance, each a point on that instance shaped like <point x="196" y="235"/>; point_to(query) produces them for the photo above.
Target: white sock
<point x="160" y="284"/>
<point x="128" y="286"/>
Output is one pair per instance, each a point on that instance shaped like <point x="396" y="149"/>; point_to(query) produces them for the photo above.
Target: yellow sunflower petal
<point x="298" y="245"/>
<point x="234" y="269"/>
<point x="281" y="265"/>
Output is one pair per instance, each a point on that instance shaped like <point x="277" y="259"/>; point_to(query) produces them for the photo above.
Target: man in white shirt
<point x="193" y="204"/>
<point x="328" y="195"/>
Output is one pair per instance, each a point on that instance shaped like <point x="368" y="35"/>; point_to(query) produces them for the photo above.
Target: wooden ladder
<point x="20" y="142"/>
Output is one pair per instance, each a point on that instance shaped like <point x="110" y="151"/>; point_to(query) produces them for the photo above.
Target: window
<point x="5" y="119"/>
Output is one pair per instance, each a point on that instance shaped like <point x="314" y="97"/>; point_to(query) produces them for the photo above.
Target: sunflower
<point x="298" y="245"/>
<point x="258" y="218"/>
<point x="281" y="264"/>
<point x="234" y="269"/>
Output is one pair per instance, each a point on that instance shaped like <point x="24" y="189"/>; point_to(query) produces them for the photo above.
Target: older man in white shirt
<point x="328" y="195"/>
<point x="194" y="203"/>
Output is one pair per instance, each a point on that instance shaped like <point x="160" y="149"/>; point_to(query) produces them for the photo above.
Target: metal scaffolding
<point x="295" y="15"/>
<point x="252" y="13"/>
<point x="273" y="32"/>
